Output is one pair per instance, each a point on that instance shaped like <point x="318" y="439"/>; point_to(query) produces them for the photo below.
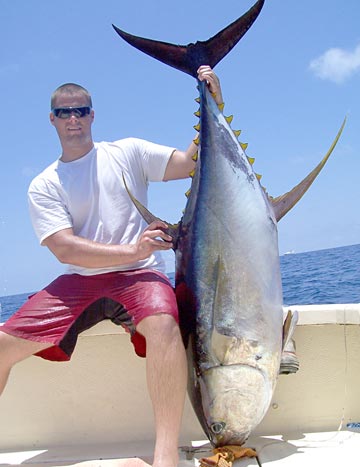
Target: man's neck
<point x="70" y="154"/>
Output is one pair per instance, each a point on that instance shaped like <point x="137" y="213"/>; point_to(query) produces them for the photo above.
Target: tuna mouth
<point x="238" y="365"/>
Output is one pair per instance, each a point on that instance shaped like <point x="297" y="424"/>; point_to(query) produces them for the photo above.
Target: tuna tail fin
<point x="282" y="204"/>
<point x="173" y="229"/>
<point x="188" y="58"/>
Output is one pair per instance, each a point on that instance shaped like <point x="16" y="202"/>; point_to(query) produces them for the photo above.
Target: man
<point x="81" y="211"/>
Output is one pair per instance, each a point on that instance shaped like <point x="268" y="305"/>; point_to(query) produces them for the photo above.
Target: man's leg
<point x="166" y="376"/>
<point x="13" y="350"/>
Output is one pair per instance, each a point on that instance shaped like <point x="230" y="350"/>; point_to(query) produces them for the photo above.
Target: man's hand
<point x="153" y="238"/>
<point x="206" y="73"/>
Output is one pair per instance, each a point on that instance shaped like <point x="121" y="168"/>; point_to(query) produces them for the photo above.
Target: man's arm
<point x="181" y="163"/>
<point x="79" y="251"/>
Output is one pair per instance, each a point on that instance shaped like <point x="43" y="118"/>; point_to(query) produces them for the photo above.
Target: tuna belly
<point x="234" y="400"/>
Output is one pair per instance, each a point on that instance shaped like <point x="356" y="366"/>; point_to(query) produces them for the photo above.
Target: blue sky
<point x="289" y="83"/>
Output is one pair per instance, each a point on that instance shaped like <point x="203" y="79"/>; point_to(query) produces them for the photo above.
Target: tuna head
<point x="232" y="400"/>
<point x="231" y="383"/>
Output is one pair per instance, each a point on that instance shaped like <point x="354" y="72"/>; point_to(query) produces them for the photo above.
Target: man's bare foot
<point x="135" y="462"/>
<point x="130" y="462"/>
<point x="165" y="462"/>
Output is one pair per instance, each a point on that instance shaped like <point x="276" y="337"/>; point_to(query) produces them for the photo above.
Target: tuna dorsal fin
<point x="282" y="204"/>
<point x="188" y="58"/>
<point x="173" y="229"/>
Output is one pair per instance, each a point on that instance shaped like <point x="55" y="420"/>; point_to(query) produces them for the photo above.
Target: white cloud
<point x="336" y="64"/>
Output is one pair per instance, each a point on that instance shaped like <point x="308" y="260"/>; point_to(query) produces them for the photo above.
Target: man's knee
<point x="160" y="326"/>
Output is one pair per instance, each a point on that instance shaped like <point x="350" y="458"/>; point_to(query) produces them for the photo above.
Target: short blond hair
<point x="70" y="89"/>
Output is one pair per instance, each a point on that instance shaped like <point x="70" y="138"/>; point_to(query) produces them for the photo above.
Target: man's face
<point x="73" y="130"/>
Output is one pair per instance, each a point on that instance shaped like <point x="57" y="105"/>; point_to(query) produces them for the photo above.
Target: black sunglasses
<point x="66" y="112"/>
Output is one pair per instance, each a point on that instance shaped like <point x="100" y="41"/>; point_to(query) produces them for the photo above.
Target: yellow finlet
<point x="244" y="146"/>
<point x="221" y="107"/>
<point x="192" y="173"/>
<point x="229" y="119"/>
<point x="258" y="176"/>
<point x="197" y="100"/>
<point x="251" y="160"/>
<point x="195" y="156"/>
<point x="197" y="127"/>
<point x="187" y="193"/>
<point x="196" y="141"/>
<point x="237" y="133"/>
<point x="197" y="113"/>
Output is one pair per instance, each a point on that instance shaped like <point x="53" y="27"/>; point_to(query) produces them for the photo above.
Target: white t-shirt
<point x="89" y="196"/>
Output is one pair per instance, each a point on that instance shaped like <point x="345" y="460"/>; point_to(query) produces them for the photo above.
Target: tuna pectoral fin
<point x="282" y="204"/>
<point x="173" y="229"/>
<point x="289" y="326"/>
<point x="188" y="58"/>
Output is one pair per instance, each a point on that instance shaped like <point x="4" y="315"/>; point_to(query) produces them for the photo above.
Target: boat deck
<point x="86" y="412"/>
<point x="293" y="450"/>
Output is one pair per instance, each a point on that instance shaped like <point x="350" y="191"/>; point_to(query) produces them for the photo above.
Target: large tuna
<point x="228" y="282"/>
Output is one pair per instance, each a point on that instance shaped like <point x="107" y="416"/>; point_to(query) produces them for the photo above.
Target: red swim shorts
<point x="72" y="303"/>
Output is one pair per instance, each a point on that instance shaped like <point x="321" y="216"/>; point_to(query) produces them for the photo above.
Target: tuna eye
<point x="217" y="427"/>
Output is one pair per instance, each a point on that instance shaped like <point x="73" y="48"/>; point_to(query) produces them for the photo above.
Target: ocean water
<point x="316" y="277"/>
